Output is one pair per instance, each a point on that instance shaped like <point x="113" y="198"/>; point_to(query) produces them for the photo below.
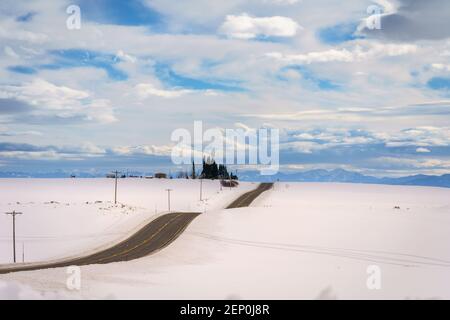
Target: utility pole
<point x="14" y="213"/>
<point x="115" y="186"/>
<point x="23" y="252"/>
<point x="168" y="197"/>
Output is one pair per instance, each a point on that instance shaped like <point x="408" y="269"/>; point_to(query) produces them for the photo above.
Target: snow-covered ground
<point x="298" y="241"/>
<point x="64" y="217"/>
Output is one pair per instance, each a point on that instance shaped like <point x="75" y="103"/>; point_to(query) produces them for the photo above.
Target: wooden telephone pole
<point x="13" y="214"/>
<point x="116" y="173"/>
<point x="168" y="197"/>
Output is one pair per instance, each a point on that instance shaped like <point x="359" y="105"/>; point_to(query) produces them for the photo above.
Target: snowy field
<point x="298" y="241"/>
<point x="64" y="217"/>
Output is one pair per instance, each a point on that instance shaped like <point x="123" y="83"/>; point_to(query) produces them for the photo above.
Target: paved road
<point x="153" y="237"/>
<point x="247" y="198"/>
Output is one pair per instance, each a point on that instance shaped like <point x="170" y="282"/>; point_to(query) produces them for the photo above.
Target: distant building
<point x="113" y="175"/>
<point x="160" y="175"/>
<point x="229" y="183"/>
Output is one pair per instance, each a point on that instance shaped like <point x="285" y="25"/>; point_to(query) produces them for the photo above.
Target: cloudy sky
<point x="109" y="95"/>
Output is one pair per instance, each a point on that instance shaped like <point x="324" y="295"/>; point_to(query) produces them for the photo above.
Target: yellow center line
<point x="245" y="197"/>
<point x="239" y="202"/>
<point x="177" y="233"/>
<point x="142" y="243"/>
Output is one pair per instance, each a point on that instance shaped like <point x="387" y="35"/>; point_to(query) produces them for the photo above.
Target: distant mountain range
<point x="341" y="175"/>
<point x="319" y="175"/>
<point x="44" y="175"/>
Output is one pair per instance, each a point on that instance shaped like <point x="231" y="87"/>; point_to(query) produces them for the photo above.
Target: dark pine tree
<point x="193" y="170"/>
<point x="210" y="169"/>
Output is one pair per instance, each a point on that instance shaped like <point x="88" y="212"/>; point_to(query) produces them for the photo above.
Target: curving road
<point x="151" y="238"/>
<point x="247" y="198"/>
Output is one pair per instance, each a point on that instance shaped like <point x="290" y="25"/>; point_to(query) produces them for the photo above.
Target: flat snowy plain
<point x="297" y="241"/>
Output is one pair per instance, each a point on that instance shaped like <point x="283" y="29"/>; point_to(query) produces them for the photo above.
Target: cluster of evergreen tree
<point x="213" y="171"/>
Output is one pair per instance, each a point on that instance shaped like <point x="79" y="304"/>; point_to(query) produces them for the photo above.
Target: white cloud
<point x="44" y="94"/>
<point x="9" y="31"/>
<point x="144" y="90"/>
<point x="91" y="148"/>
<point x="10" y="52"/>
<point x="127" y="57"/>
<point x="8" y="133"/>
<point x="53" y="153"/>
<point x="421" y="137"/>
<point x="306" y="147"/>
<point x="281" y="2"/>
<point x="342" y="55"/>
<point x="309" y="141"/>
<point x="104" y="116"/>
<point x="441" y="67"/>
<point x="143" y="150"/>
<point x="389" y="6"/>
<point x="50" y="155"/>
<point x="46" y="98"/>
<point x="422" y="150"/>
<point x="312" y="140"/>
<point x="357" y="53"/>
<point x="247" y="27"/>
<point x="310" y="115"/>
<point x="243" y="126"/>
<point x="428" y="163"/>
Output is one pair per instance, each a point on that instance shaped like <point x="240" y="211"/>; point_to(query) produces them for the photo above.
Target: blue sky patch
<point x="172" y="79"/>
<point x="439" y="83"/>
<point x="22" y="69"/>
<point x="120" y="12"/>
<point x="308" y="75"/>
<point x="338" y="33"/>
<point x="273" y="39"/>
<point x="73" y="58"/>
<point x="26" y="17"/>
